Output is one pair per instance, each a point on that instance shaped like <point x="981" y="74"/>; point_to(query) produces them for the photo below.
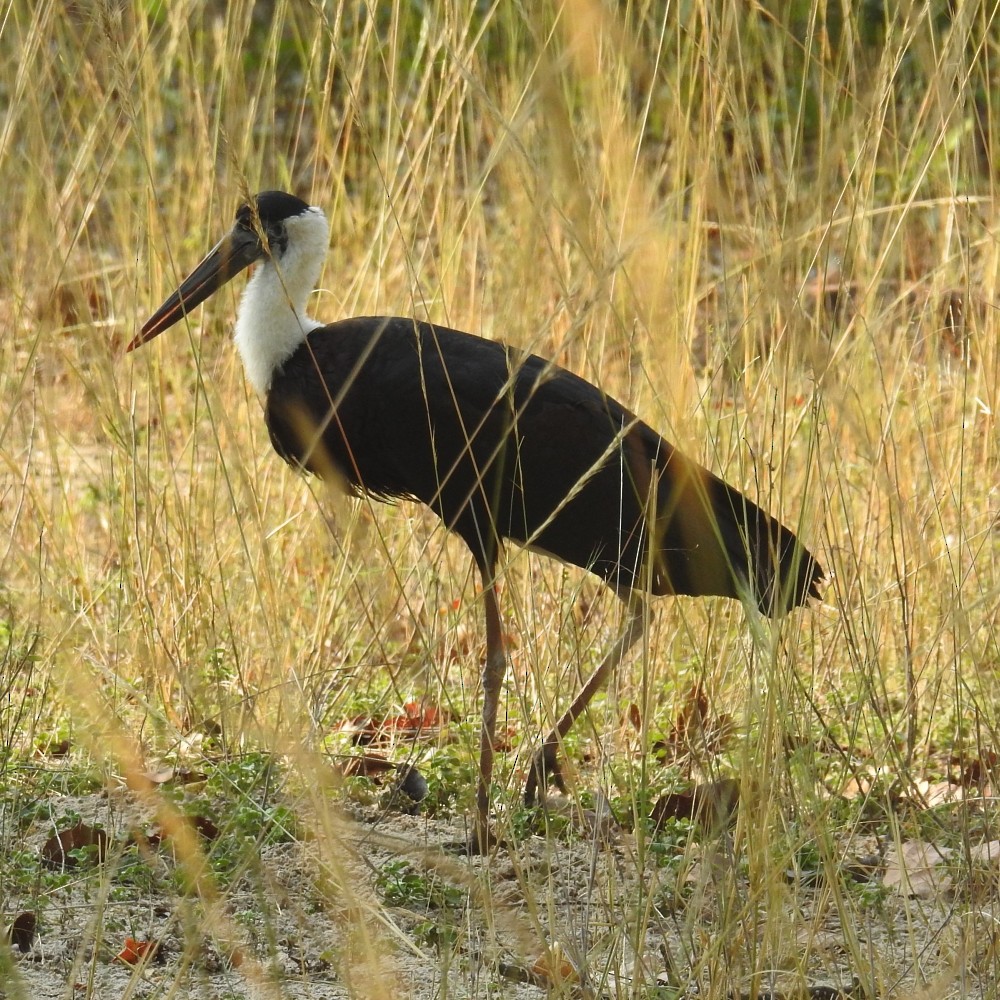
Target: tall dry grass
<point x="770" y="231"/>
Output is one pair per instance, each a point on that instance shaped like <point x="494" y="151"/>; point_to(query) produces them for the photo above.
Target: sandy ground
<point x="304" y="921"/>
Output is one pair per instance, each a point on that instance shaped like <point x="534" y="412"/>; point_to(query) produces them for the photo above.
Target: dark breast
<point x="499" y="445"/>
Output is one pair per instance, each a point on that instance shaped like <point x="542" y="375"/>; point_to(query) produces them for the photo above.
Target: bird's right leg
<point x="545" y="764"/>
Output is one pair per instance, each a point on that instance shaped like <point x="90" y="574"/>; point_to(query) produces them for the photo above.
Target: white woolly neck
<point x="272" y="321"/>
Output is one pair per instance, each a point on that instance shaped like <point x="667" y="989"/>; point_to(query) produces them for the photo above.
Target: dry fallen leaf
<point x="697" y="730"/>
<point x="713" y="804"/>
<point x="56" y="748"/>
<point x="205" y="827"/>
<point x="977" y="772"/>
<point x="986" y="854"/>
<point x="56" y="851"/>
<point x="416" y="720"/>
<point x="555" y="967"/>
<point x="367" y="765"/>
<point x="914" y="869"/>
<point x="143" y="781"/>
<point x="634" y="716"/>
<point x="135" y="951"/>
<point x="937" y="793"/>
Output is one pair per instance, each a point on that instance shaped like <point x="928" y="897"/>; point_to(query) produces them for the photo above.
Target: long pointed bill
<point x="234" y="252"/>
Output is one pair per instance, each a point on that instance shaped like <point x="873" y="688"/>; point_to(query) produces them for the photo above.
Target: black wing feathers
<point x="503" y="445"/>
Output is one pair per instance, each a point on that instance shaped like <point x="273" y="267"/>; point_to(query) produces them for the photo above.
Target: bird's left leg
<point x="545" y="763"/>
<point x="493" y="673"/>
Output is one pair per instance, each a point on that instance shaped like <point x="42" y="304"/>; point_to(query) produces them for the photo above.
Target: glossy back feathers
<point x="503" y="445"/>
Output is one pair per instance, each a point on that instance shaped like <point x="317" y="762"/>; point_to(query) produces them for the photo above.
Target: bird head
<point x="259" y="232"/>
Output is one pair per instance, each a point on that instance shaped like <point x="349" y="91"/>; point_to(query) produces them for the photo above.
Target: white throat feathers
<point x="272" y="322"/>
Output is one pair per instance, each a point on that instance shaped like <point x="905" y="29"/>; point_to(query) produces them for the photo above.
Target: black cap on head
<point x="273" y="207"/>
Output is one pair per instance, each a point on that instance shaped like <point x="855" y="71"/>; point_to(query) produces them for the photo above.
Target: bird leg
<point x="545" y="764"/>
<point x="493" y="671"/>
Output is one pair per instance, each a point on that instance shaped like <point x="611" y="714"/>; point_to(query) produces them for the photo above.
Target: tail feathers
<point x="765" y="557"/>
<point x="715" y="541"/>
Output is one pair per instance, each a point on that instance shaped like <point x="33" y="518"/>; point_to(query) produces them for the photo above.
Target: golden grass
<point x="755" y="230"/>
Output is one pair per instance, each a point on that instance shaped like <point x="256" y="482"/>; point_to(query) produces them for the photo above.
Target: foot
<point x="481" y="841"/>
<point x="544" y="767"/>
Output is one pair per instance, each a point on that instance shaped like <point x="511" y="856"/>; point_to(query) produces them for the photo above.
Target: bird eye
<point x="277" y="239"/>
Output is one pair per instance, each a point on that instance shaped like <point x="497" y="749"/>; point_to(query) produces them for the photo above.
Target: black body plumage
<point x="506" y="446"/>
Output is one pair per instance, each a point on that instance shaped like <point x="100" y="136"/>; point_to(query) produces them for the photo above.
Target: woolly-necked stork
<point x="500" y="444"/>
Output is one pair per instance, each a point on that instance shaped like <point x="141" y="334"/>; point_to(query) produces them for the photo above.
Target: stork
<point x="501" y="445"/>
